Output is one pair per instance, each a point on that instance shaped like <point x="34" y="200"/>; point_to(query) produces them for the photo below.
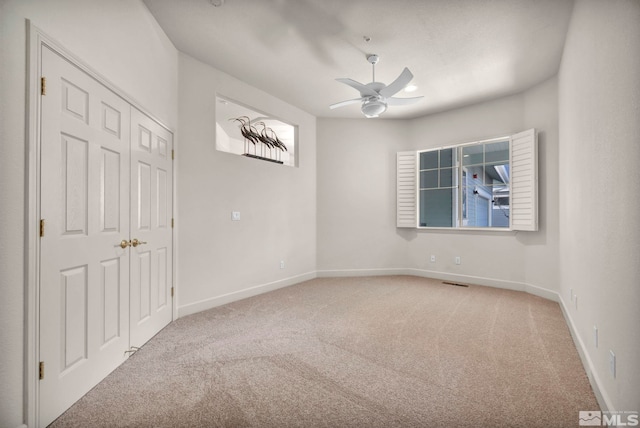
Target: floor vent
<point x="457" y="284"/>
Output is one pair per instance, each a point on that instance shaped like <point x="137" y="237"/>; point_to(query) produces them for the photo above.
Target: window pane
<point x="447" y="177"/>
<point x="472" y="155"/>
<point x="429" y="160"/>
<point x="496" y="152"/>
<point x="436" y="208"/>
<point x="446" y="158"/>
<point x="429" y="179"/>
<point x="477" y="206"/>
<point x="500" y="211"/>
<point x="497" y="174"/>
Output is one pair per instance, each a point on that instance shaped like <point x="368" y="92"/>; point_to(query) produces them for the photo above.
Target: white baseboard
<point x="223" y="299"/>
<point x="468" y="279"/>
<point x="542" y="292"/>
<point x="444" y="276"/>
<point x="361" y="272"/>
<point x="603" y="399"/>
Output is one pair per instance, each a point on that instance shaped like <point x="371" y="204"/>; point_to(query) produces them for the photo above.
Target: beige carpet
<point x="352" y="352"/>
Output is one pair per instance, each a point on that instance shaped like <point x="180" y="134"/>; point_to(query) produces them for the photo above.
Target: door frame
<point x="36" y="39"/>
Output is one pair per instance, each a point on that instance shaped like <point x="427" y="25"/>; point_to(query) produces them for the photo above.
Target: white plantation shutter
<point x="524" y="181"/>
<point x="406" y="190"/>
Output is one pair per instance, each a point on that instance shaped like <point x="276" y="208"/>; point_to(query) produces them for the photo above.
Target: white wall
<point x="541" y="266"/>
<point x="356" y="196"/>
<point x="220" y="260"/>
<point x="599" y="110"/>
<point x="121" y="40"/>
<point x="484" y="255"/>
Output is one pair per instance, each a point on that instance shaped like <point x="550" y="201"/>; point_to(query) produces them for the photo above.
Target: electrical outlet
<point x="433" y="259"/>
<point x="458" y="261"/>
<point x="575" y="300"/>
<point x="595" y="335"/>
<point x="281" y="264"/>
<point x="235" y="215"/>
<point x="612" y="363"/>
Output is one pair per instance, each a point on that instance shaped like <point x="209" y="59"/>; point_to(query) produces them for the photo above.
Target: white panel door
<point x="84" y="272"/>
<point x="151" y="203"/>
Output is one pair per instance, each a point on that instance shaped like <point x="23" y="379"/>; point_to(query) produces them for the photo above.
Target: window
<point x="485" y="184"/>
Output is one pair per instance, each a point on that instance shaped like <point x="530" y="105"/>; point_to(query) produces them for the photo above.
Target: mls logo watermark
<point x="608" y="419"/>
<point x="590" y="418"/>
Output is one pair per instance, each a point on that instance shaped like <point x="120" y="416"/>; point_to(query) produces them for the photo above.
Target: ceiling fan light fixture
<point x="373" y="108"/>
<point x="376" y="96"/>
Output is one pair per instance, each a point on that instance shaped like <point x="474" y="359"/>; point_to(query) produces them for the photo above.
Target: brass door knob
<point x="135" y="243"/>
<point x="124" y="244"/>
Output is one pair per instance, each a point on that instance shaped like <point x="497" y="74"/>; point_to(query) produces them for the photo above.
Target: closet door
<point x="151" y="232"/>
<point x="84" y="270"/>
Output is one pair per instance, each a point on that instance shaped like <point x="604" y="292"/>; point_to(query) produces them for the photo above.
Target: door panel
<point x="73" y="302"/>
<point x="151" y="197"/>
<point x="74" y="175"/>
<point x="84" y="273"/>
<point x="106" y="176"/>
<point x="110" y="191"/>
<point x="144" y="196"/>
<point x="111" y="305"/>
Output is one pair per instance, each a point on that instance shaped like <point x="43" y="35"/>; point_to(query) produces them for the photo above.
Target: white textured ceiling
<point x="460" y="51"/>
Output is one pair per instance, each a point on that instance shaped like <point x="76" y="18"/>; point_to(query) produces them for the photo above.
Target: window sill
<point x="467" y="229"/>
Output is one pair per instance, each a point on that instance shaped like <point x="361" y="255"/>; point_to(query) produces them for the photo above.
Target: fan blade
<point x="363" y="89"/>
<point x="402" y="101"/>
<point x="345" y="103"/>
<point x="398" y="84"/>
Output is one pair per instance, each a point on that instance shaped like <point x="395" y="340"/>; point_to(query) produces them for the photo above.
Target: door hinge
<point x="41" y="370"/>
<point x="43" y="86"/>
<point x="173" y="154"/>
<point x="41" y="228"/>
<point x="172" y="223"/>
<point x="171" y="291"/>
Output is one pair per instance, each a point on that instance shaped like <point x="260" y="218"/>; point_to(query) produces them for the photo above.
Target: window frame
<point x="462" y="170"/>
<point x="522" y="175"/>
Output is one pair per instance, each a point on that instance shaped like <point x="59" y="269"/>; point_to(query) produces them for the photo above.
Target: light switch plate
<point x="235" y="215"/>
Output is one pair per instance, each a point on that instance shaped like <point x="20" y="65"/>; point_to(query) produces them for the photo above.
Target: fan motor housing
<point x="373" y="108"/>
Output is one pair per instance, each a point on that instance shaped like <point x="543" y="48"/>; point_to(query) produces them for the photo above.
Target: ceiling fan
<point x="376" y="96"/>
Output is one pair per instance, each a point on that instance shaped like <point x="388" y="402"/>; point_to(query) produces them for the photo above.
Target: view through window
<point x="465" y="186"/>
